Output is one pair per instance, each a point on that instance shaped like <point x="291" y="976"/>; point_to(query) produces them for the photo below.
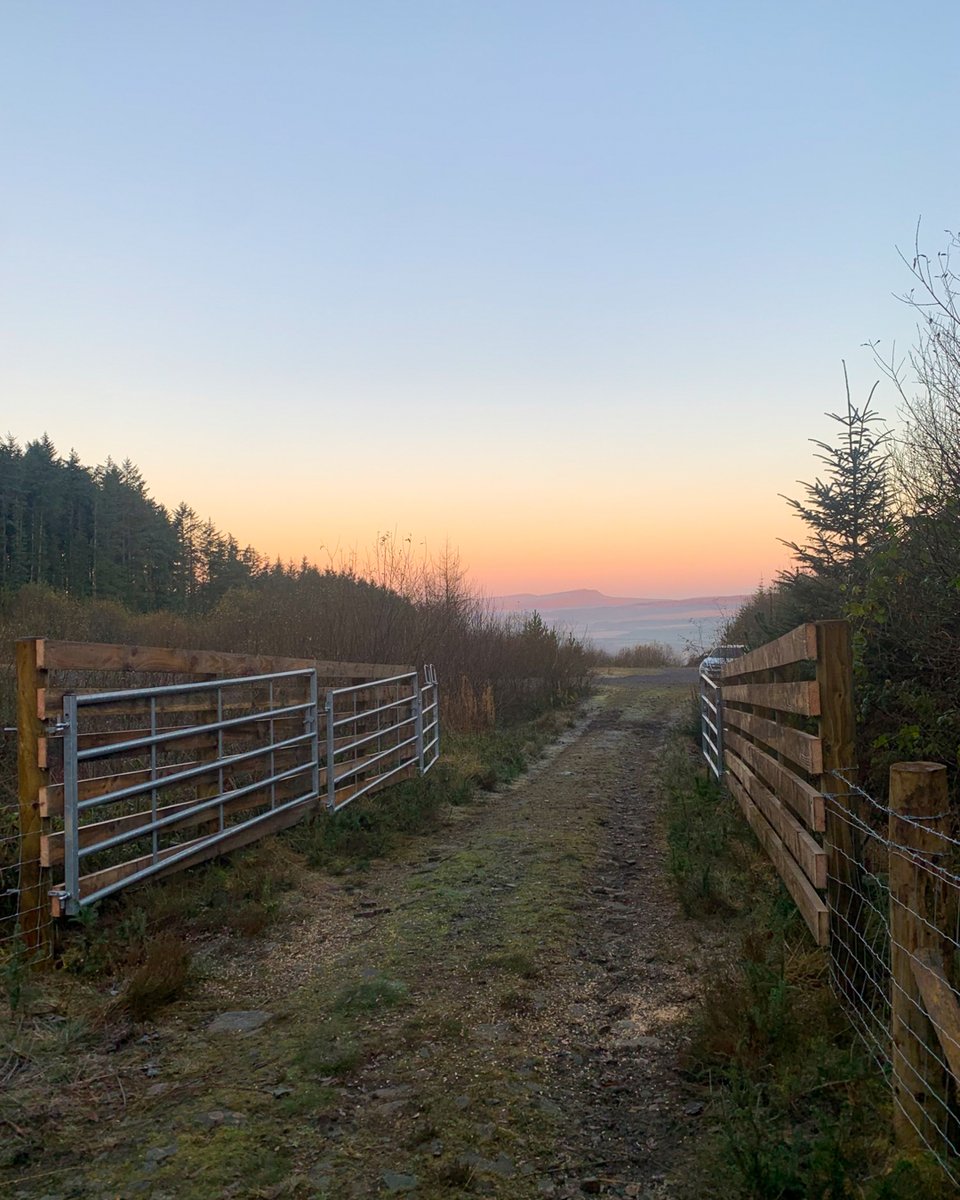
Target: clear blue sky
<point x="566" y="283"/>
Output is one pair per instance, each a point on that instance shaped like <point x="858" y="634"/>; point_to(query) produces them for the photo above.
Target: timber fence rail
<point x="778" y="735"/>
<point x="137" y="761"/>
<point x="878" y="883"/>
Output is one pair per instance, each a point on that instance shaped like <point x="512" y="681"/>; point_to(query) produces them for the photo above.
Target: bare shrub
<point x="160" y="979"/>
<point x="647" y="654"/>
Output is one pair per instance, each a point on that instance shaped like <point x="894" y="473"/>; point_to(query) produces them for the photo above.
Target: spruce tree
<point x="847" y="510"/>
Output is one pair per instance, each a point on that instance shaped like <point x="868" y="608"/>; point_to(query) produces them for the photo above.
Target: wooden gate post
<point x="838" y="736"/>
<point x="33" y="906"/>
<point x="921" y="1084"/>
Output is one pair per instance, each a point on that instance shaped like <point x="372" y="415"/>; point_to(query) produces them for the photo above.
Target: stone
<point x="217" y="1117"/>
<point x="160" y="1154"/>
<point x="239" y="1022"/>
<point x="400" y="1092"/>
<point x="395" y="1181"/>
<point x="502" y="1165"/>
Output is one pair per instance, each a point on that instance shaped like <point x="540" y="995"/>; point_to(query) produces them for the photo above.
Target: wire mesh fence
<point x="16" y="857"/>
<point x="895" y="946"/>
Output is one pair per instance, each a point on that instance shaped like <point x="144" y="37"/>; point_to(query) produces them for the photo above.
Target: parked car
<point x="718" y="658"/>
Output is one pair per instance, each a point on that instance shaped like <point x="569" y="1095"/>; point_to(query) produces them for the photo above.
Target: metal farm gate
<point x="157" y="779"/>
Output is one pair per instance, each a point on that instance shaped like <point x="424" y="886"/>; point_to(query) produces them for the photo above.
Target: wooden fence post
<point x="921" y="1084"/>
<point x="33" y="904"/>
<point x="838" y="736"/>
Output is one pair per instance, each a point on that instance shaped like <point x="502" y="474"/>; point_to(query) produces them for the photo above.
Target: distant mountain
<point x="582" y="598"/>
<point x="614" y="622"/>
<point x="591" y="598"/>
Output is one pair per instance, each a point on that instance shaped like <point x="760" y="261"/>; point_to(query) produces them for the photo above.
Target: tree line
<point x="881" y="543"/>
<point x="97" y="533"/>
<point x="87" y="553"/>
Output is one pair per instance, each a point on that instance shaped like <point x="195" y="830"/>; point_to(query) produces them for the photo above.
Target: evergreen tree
<point x="847" y="511"/>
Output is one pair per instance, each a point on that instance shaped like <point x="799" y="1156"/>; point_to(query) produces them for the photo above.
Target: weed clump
<point x="160" y="979"/>
<point x="371" y="994"/>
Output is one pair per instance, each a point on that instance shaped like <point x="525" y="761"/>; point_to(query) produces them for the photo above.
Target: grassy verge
<point x="795" y="1107"/>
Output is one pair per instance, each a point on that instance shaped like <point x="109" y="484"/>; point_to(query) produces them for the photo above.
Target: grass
<point x="370" y="827"/>
<point x="244" y="896"/>
<point x="796" y="1108"/>
<point x="706" y="840"/>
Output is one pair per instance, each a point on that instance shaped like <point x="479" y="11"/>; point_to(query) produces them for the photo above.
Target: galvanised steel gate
<point x="711" y="723"/>
<point x="158" y="778"/>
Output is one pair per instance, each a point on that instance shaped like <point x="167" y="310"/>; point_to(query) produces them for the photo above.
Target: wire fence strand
<point x="916" y="1044"/>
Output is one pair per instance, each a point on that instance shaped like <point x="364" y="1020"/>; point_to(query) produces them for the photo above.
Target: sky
<point x="564" y="286"/>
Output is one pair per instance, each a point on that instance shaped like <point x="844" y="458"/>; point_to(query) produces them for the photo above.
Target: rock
<point x="278" y="1092"/>
<point x="694" y="1109"/>
<point x="394" y="1181"/>
<point x="390" y="1107"/>
<point x="400" y="1092"/>
<point x="502" y="1165"/>
<point x="217" y="1117"/>
<point x="239" y="1022"/>
<point x="591" y="1185"/>
<point x="161" y="1153"/>
<point x="462" y="1102"/>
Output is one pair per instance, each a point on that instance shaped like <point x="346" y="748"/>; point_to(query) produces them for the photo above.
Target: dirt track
<point x="498" y="1013"/>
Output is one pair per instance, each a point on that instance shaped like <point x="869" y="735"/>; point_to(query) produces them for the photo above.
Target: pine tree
<point x="847" y="512"/>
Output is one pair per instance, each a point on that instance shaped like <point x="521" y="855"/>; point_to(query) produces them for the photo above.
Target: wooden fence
<point x="48" y="671"/>
<point x="783" y="733"/>
<point x="877" y="882"/>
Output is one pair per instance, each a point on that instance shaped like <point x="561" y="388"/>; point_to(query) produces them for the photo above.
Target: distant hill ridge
<point x="591" y="598"/>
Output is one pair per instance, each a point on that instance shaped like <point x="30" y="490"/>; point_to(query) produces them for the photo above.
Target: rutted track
<point x="507" y="999"/>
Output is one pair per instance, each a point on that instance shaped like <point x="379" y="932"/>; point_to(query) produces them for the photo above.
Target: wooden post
<point x="33" y="904"/>
<point x="920" y="1081"/>
<point x="844" y="868"/>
